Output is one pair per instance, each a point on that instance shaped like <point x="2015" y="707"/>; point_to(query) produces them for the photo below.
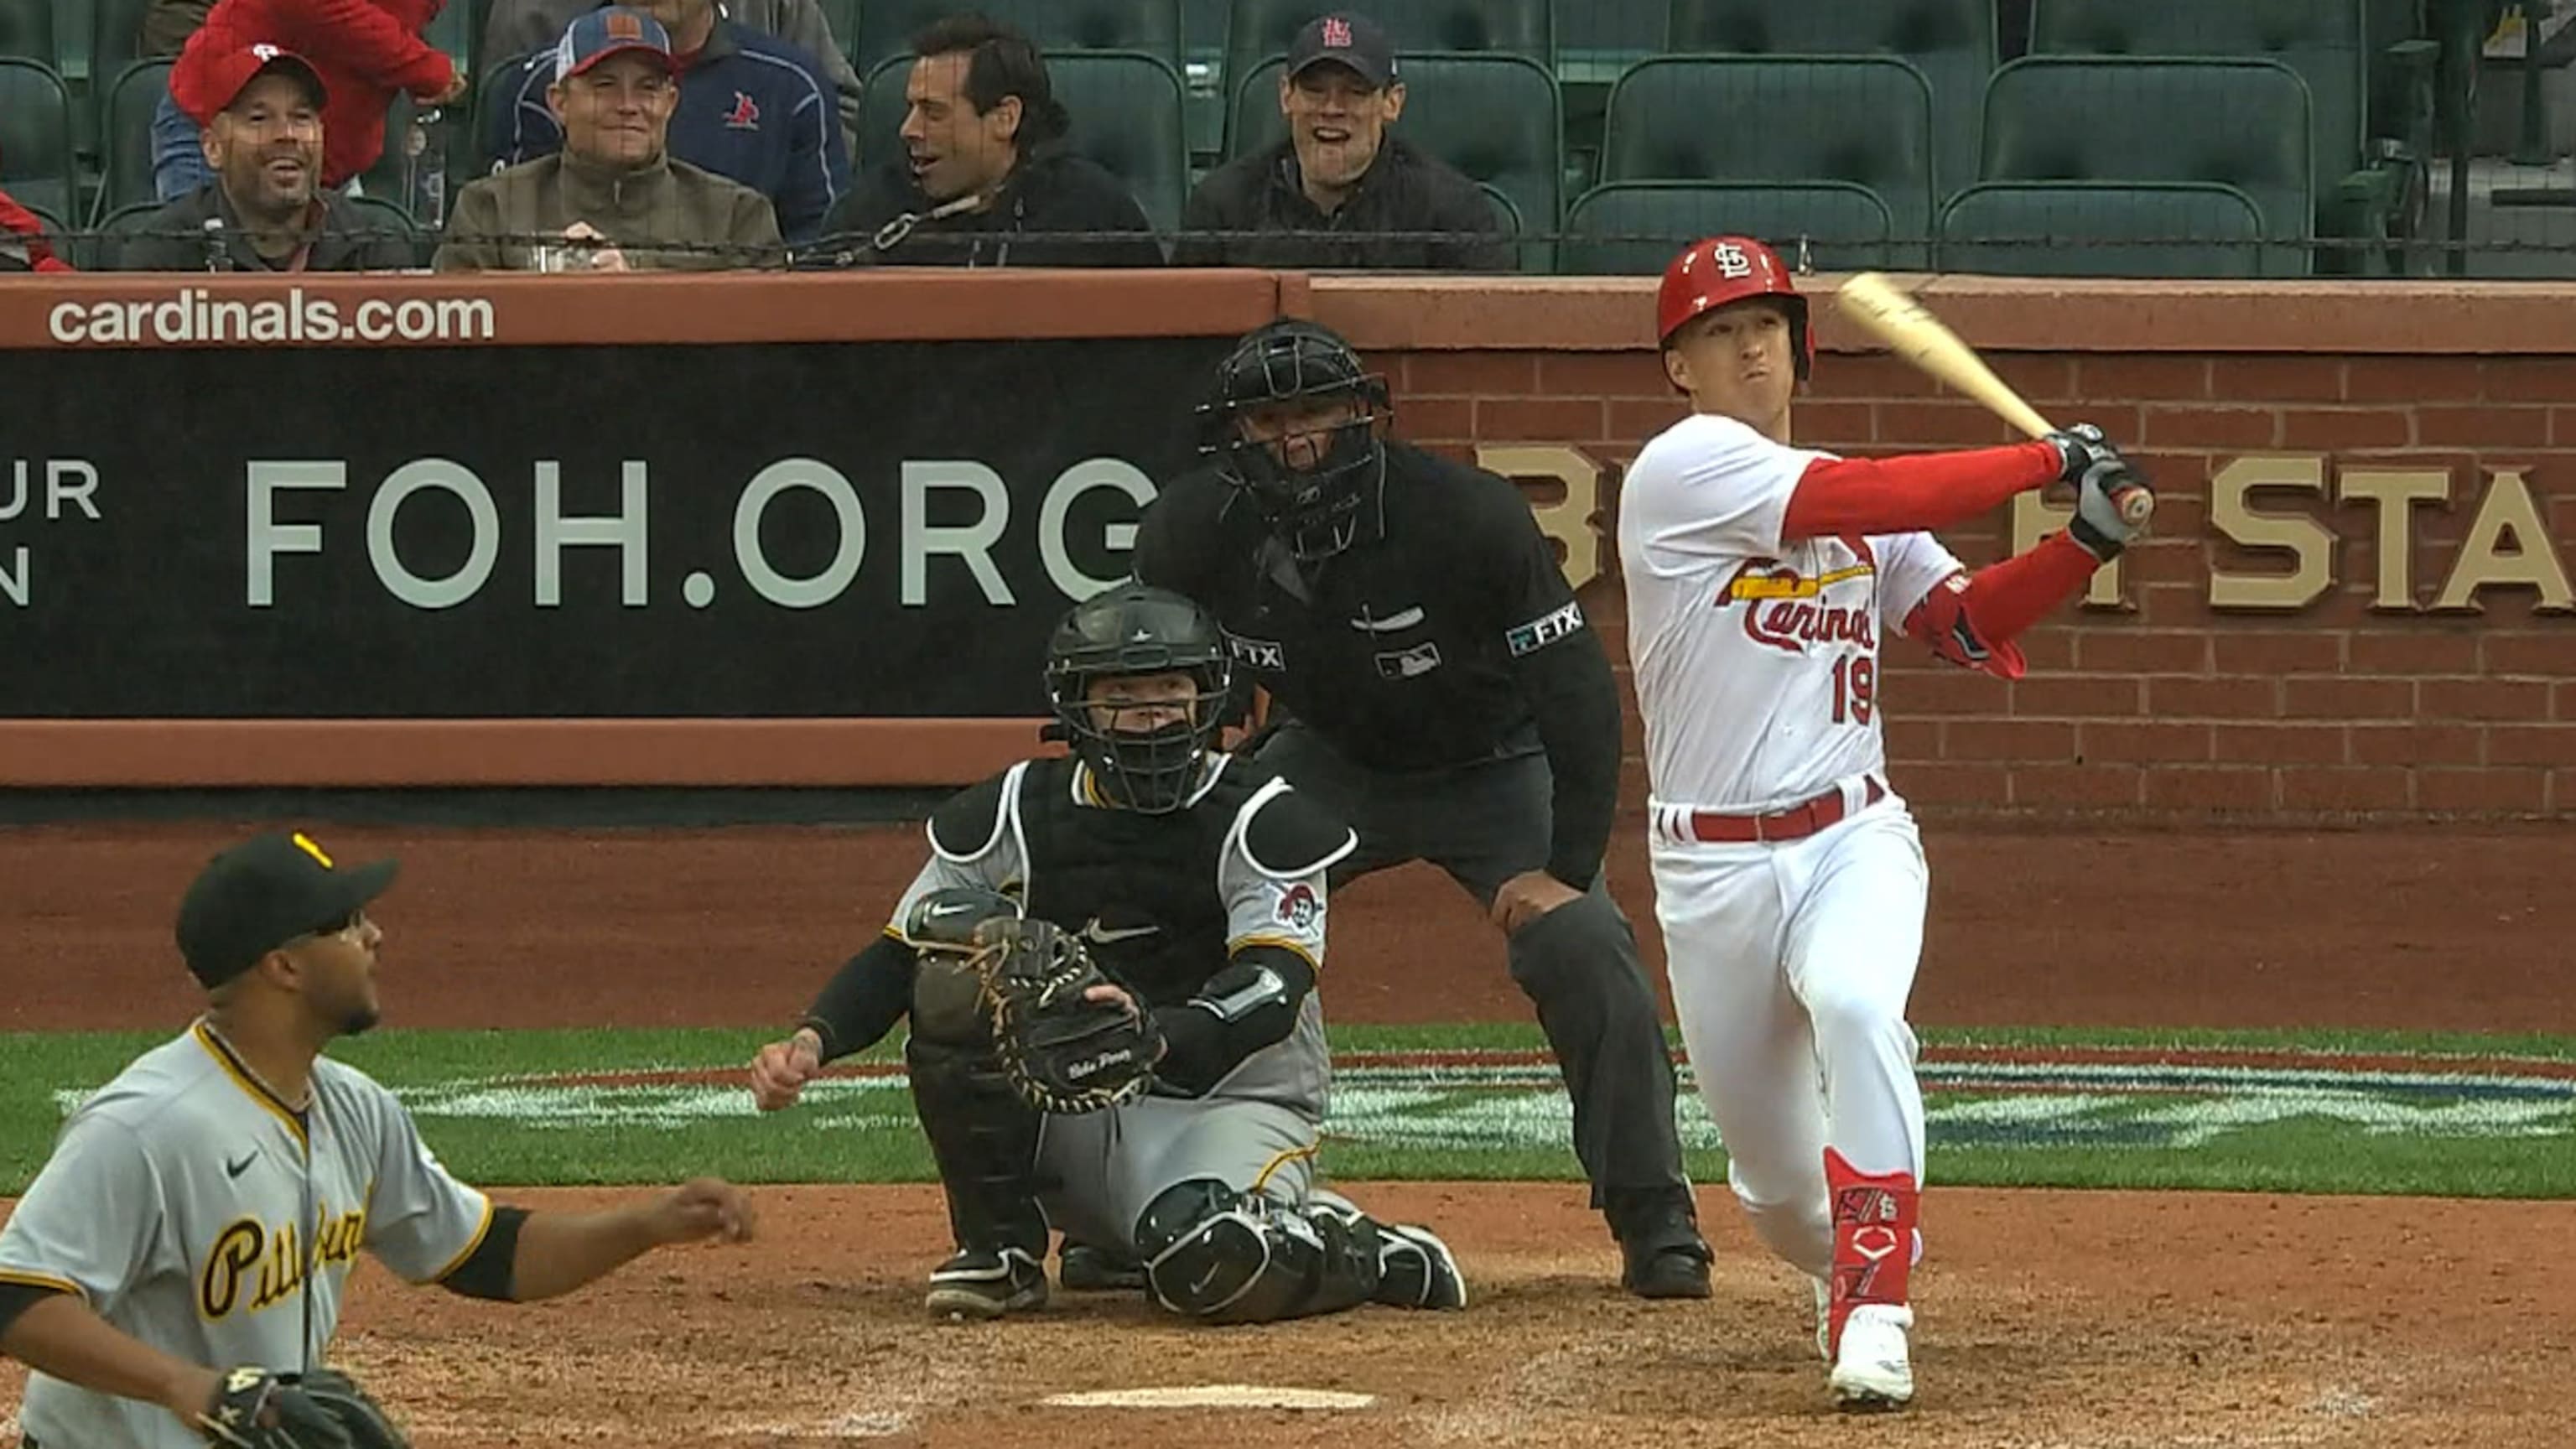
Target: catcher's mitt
<point x="1060" y="1051"/>
<point x="256" y="1409"/>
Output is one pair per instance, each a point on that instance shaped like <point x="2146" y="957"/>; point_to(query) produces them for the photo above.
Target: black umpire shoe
<point x="1661" y="1252"/>
<point x="1083" y="1268"/>
<point x="985" y="1284"/>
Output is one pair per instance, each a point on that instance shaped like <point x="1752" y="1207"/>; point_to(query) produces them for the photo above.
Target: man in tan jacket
<point x="612" y="199"/>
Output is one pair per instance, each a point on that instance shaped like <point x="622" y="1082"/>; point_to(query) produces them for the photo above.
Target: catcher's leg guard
<point x="1215" y="1253"/>
<point x="985" y="1142"/>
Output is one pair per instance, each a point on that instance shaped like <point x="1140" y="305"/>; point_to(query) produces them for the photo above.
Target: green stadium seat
<point x="394" y="218"/>
<point x="1952" y="43"/>
<point x="1866" y="120"/>
<point x="126" y="146"/>
<point x="1601" y="39"/>
<point x="2239" y="122"/>
<point x="1260" y="29"/>
<point x="2119" y="229"/>
<point x="27" y="31"/>
<point x="116" y="39"/>
<point x="2363" y="192"/>
<point x="1636" y="228"/>
<point x="452" y="31"/>
<point x="98" y="252"/>
<point x="886" y="27"/>
<point x="73" y="22"/>
<point x="842" y="16"/>
<point x="1126" y="110"/>
<point x="1495" y="117"/>
<point x="36" y="163"/>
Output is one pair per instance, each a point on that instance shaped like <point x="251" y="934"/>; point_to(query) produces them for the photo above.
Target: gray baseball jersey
<point x="1256" y="1127"/>
<point x="198" y="1213"/>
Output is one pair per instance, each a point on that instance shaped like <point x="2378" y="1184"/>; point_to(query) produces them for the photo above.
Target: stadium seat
<point x="36" y="163"/>
<point x="2236" y="122"/>
<point x="2122" y="229"/>
<point x="1800" y="119"/>
<point x="2360" y="195"/>
<point x="127" y="131"/>
<point x="116" y="40"/>
<point x="1260" y="29"/>
<point x="99" y="252"/>
<point x="1951" y="42"/>
<point x="1126" y="110"/>
<point x="394" y="218"/>
<point x="886" y="27"/>
<point x="1495" y="117"/>
<point x="452" y="31"/>
<point x="27" y="31"/>
<point x="1636" y="228"/>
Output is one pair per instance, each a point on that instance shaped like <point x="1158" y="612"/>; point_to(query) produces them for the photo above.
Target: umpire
<point x="1433" y="682"/>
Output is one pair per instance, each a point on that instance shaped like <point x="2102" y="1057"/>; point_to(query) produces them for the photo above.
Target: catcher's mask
<point x="1313" y="503"/>
<point x="1130" y="633"/>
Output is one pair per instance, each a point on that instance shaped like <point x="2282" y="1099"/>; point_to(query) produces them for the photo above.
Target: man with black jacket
<point x="1444" y="695"/>
<point x="1340" y="189"/>
<point x="985" y="179"/>
<point x="265" y="211"/>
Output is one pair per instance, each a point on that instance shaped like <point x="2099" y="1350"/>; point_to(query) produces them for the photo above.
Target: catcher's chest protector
<point x="1141" y="890"/>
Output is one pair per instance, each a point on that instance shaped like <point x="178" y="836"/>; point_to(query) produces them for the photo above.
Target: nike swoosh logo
<point x="1100" y="935"/>
<point x="1391" y="624"/>
<point x="236" y="1169"/>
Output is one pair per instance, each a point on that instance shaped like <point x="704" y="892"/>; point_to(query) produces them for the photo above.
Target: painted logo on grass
<point x="1464" y="1100"/>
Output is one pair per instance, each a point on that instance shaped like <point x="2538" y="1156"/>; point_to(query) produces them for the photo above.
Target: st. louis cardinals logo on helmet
<point x="1721" y="270"/>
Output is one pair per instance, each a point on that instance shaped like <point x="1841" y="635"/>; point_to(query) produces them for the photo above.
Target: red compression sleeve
<point x="1843" y="496"/>
<point x="2005" y="598"/>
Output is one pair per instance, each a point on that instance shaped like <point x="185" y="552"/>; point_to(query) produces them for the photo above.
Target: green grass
<point x="2509" y="1143"/>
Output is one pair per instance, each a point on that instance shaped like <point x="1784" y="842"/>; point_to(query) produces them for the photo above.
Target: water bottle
<point x="425" y="156"/>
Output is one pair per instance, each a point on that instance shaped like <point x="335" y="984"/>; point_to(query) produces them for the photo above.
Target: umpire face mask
<point x="1310" y="466"/>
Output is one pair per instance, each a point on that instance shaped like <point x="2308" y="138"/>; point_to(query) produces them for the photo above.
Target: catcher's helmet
<point x="1721" y="269"/>
<point x="1315" y="509"/>
<point x="1136" y="629"/>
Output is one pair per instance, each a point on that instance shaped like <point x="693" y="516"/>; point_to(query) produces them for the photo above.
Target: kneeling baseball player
<point x="1789" y="878"/>
<point x="1109" y="963"/>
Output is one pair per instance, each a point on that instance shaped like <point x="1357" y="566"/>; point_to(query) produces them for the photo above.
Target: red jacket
<point x="367" y="52"/>
<point x="19" y="228"/>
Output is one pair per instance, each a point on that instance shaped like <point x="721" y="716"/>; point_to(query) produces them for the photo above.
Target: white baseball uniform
<point x="195" y="1211"/>
<point x="1791" y="956"/>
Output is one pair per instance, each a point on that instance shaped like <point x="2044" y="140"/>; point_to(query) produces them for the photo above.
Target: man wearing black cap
<point x="186" y="1249"/>
<point x="1330" y="194"/>
<point x="266" y="210"/>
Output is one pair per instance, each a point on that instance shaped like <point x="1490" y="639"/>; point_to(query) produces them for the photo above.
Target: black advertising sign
<point x="852" y="529"/>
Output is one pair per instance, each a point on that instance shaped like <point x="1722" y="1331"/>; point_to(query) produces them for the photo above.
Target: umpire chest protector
<point x="1142" y="891"/>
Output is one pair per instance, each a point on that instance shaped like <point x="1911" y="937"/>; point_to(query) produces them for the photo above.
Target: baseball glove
<point x="1060" y="1050"/>
<point x="256" y="1409"/>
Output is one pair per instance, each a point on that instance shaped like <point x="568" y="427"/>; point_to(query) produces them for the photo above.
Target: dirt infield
<point x="2403" y="928"/>
<point x="2088" y="1321"/>
<point x="2073" y="1321"/>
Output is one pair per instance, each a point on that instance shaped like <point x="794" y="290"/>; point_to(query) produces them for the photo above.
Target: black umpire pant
<point x="1484" y="823"/>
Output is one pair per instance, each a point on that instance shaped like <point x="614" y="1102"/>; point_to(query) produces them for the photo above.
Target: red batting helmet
<point x="1721" y="269"/>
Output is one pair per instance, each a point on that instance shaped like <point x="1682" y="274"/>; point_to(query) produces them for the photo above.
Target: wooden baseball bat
<point x="1923" y="340"/>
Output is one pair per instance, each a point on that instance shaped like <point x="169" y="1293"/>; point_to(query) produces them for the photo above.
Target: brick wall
<point x="2368" y="698"/>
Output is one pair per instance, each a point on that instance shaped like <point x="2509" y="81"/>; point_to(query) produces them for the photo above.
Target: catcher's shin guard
<point x="1874" y="1223"/>
<point x="985" y="1142"/>
<point x="1233" y="1257"/>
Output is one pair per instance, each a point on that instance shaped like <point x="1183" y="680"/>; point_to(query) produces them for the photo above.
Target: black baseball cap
<point x="1344" y="39"/>
<point x="263" y="893"/>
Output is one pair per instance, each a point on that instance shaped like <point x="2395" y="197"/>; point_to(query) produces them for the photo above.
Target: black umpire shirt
<point x="1445" y="636"/>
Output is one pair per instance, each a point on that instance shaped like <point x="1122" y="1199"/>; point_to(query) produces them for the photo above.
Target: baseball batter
<point x="1788" y="877"/>
<point x="1197" y="880"/>
<point x="181" y="1259"/>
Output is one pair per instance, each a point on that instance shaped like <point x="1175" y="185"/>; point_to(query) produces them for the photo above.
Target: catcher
<point x="175" y="1273"/>
<point x="1109" y="964"/>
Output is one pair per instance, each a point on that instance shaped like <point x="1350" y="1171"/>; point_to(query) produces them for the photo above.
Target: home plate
<point x="1212" y="1396"/>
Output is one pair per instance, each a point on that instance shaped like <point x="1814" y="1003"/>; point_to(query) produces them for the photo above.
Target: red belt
<point x="1794" y="823"/>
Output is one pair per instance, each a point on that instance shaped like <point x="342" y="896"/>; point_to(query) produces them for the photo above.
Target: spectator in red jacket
<point x="23" y="245"/>
<point x="366" y="52"/>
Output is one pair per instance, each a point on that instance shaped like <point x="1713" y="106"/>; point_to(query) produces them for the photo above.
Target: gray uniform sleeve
<point x="421" y="1222"/>
<point x="969" y="849"/>
<point x="91" y="1221"/>
<point x="1273" y="870"/>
